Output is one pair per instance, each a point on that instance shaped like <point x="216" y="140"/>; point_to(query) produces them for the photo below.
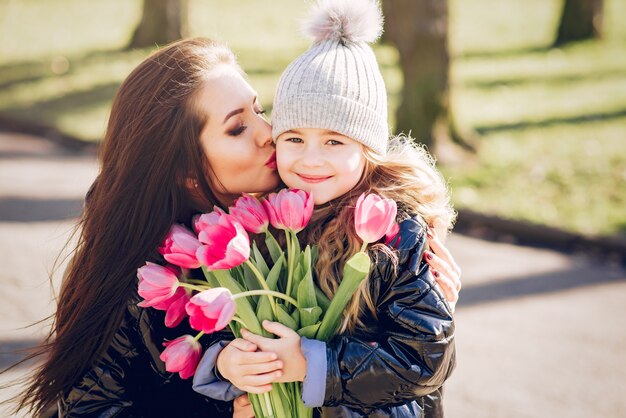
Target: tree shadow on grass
<point x="14" y="73"/>
<point x="48" y="112"/>
<point x="502" y="53"/>
<point x="577" y="119"/>
<point x="540" y="284"/>
<point x="13" y="351"/>
<point x="547" y="79"/>
<point x="17" y="209"/>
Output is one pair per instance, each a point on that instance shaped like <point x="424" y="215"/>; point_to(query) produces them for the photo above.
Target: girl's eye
<point x="294" y="140"/>
<point x="334" y="142"/>
<point x="238" y="130"/>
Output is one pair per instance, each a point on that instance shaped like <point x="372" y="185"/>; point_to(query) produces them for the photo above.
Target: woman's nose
<point x="264" y="133"/>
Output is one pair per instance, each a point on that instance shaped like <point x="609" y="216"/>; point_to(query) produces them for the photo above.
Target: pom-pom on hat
<point x="336" y="84"/>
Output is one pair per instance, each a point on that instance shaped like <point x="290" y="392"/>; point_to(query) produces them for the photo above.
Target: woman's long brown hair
<point x="149" y="153"/>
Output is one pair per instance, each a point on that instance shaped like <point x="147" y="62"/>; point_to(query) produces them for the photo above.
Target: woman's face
<point x="236" y="137"/>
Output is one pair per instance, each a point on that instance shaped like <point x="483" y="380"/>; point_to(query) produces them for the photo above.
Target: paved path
<point x="539" y="333"/>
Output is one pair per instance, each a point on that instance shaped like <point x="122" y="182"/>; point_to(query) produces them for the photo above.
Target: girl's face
<point x="323" y="162"/>
<point x="236" y="137"/>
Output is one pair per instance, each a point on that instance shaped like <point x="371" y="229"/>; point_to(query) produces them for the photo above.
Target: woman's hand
<point x="248" y="369"/>
<point x="442" y="265"/>
<point x="242" y="408"/>
<point x="287" y="348"/>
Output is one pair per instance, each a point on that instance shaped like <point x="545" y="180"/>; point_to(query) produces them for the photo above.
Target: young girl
<point x="396" y="342"/>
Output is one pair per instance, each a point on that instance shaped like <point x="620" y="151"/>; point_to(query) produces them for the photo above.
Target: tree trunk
<point x="162" y="21"/>
<point x="419" y="30"/>
<point x="580" y="19"/>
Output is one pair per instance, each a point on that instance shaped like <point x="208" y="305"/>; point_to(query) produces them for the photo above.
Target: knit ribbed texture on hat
<point x="335" y="85"/>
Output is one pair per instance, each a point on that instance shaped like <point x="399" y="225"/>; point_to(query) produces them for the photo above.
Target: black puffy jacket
<point x="131" y="381"/>
<point x="396" y="365"/>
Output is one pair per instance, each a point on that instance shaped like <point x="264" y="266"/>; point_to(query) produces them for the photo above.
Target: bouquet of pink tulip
<point x="241" y="288"/>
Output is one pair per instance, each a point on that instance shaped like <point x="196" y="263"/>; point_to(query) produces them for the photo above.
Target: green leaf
<point x="263" y="312"/>
<point x="274" y="274"/>
<point x="310" y="331"/>
<point x="210" y="278"/>
<point x="310" y="316"/>
<point x="260" y="263"/>
<point x="306" y="293"/>
<point x="307" y="257"/>
<point x="296" y="316"/>
<point x="272" y="246"/>
<point x="296" y="280"/>
<point x="315" y="252"/>
<point x="355" y="270"/>
<point x="244" y="308"/>
<point x="284" y="317"/>
<point x="322" y="299"/>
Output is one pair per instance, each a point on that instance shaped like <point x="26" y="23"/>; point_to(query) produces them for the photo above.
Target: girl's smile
<point x="325" y="163"/>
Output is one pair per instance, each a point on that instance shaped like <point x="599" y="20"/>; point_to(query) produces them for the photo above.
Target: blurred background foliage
<point x="548" y="123"/>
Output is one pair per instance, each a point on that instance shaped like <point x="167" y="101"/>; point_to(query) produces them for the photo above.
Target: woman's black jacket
<point x="130" y="380"/>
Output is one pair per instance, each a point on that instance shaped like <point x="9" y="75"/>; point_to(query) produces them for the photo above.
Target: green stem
<point x="363" y="247"/>
<point x="264" y="285"/>
<point x="197" y="337"/>
<point x="240" y="321"/>
<point x="289" y="261"/>
<point x="268" y="404"/>
<point x="196" y="281"/>
<point x="193" y="287"/>
<point x="267" y="293"/>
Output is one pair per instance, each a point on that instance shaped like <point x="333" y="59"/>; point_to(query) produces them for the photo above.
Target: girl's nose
<point x="312" y="157"/>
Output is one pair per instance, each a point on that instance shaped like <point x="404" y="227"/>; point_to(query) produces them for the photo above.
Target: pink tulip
<point x="157" y="284"/>
<point x="392" y="233"/>
<point x="211" y="310"/>
<point x="250" y="213"/>
<point x="225" y="242"/>
<point x="175" y="310"/>
<point x="201" y="222"/>
<point x="374" y="217"/>
<point x="182" y="355"/>
<point x="289" y="209"/>
<point x="180" y="246"/>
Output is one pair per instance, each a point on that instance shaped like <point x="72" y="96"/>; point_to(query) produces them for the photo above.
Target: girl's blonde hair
<point x="407" y="174"/>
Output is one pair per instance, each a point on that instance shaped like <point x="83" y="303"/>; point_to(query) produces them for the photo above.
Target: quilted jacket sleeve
<point x="410" y="353"/>
<point x="130" y="380"/>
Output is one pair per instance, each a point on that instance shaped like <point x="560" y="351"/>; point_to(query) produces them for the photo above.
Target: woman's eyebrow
<point x="231" y="114"/>
<point x="237" y="111"/>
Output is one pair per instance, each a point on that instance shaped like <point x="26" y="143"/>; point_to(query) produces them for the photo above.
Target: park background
<point x="543" y="126"/>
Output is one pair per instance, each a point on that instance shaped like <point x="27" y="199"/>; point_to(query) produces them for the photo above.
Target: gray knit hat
<point x="336" y="84"/>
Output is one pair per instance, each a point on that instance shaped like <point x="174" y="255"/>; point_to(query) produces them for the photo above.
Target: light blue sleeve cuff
<point x="314" y="385"/>
<point x="207" y="383"/>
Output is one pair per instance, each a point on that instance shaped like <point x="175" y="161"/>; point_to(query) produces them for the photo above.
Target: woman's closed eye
<point x="238" y="130"/>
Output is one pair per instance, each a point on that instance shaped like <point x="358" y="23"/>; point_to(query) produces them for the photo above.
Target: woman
<point x="186" y="132"/>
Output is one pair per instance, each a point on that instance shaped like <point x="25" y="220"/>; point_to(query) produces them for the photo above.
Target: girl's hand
<point x="287" y="348"/>
<point x="248" y="369"/>
<point x="443" y="267"/>
<point x="242" y="408"/>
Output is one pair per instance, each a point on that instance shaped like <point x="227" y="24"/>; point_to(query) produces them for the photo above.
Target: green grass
<point x="552" y="123"/>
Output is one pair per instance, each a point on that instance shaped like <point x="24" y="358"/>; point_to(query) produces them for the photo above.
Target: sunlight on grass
<point x="566" y="175"/>
<point x="553" y="121"/>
